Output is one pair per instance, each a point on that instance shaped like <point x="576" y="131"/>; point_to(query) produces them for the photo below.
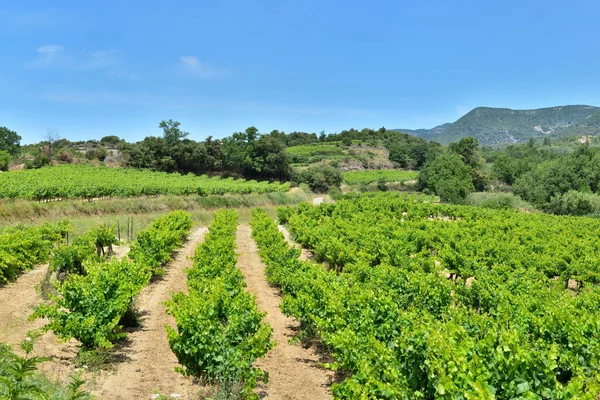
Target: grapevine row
<point x="399" y="329"/>
<point x="93" y="303"/>
<point x="220" y="331"/>
<point x="88" y="182"/>
<point x="23" y="249"/>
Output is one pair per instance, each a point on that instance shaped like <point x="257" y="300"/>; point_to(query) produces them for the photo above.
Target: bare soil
<point x="149" y="363"/>
<point x="304" y="253"/>
<point x="294" y="371"/>
<point x="17" y="303"/>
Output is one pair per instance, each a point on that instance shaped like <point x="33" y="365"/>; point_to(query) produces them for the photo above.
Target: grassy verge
<point x="136" y="211"/>
<point x="83" y="214"/>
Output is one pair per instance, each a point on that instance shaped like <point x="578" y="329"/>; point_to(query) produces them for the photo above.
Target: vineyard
<point x="23" y="249"/>
<point x="96" y="298"/>
<point x="88" y="182"/>
<point x="386" y="175"/>
<point x="423" y="301"/>
<point x="432" y="301"/>
<point x="219" y="332"/>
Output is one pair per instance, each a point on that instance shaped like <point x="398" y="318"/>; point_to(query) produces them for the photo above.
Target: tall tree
<point x="171" y="131"/>
<point x="10" y="141"/>
<point x="52" y="136"/>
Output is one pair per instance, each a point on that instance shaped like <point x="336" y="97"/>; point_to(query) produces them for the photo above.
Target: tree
<point x="448" y="177"/>
<point x="251" y="134"/>
<point x="9" y="141"/>
<point x="347" y="141"/>
<point x="171" y="131"/>
<point x="466" y="148"/>
<point x="52" y="136"/>
<point x="547" y="141"/>
<point x="5" y="160"/>
<point x="321" y="177"/>
<point x="267" y="159"/>
<point x="111" y="140"/>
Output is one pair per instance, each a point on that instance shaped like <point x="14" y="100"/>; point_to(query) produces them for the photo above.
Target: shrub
<point x="574" y="203"/>
<point x="320" y="178"/>
<point x="5" y="160"/>
<point x="448" y="177"/>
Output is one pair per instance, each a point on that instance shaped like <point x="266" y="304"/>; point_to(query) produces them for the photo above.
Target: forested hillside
<point x="492" y="126"/>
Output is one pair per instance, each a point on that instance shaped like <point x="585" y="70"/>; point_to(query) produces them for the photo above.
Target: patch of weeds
<point x="96" y="359"/>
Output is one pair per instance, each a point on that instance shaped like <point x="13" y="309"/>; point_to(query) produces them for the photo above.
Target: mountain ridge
<point x="491" y="126"/>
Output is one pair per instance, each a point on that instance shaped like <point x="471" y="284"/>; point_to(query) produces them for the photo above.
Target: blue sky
<point x="90" y="69"/>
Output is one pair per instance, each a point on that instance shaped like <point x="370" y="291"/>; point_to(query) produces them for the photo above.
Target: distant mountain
<point x="502" y="125"/>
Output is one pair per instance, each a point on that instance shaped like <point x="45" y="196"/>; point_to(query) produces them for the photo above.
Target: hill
<point x="503" y="125"/>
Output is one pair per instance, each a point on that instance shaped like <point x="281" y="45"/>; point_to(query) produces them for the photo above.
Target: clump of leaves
<point x="20" y="379"/>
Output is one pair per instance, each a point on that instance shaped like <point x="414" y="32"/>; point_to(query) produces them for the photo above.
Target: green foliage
<point x="578" y="171"/>
<point x="410" y="151"/>
<point x="505" y="327"/>
<point x="9" y="141"/>
<point x="85" y="181"/>
<point x="365" y="177"/>
<point x="305" y="153"/>
<point x="498" y="201"/>
<point x="5" y="160"/>
<point x="219" y="332"/>
<point x="91" y="307"/>
<point x="20" y="379"/>
<point x="448" y="177"/>
<point x="24" y="248"/>
<point x="574" y="203"/>
<point x="284" y="214"/>
<point x="70" y="259"/>
<point x="153" y="247"/>
<point x="96" y="154"/>
<point x="267" y="158"/>
<point x="111" y="140"/>
<point x="319" y="178"/>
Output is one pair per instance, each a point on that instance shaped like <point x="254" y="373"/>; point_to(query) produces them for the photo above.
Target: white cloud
<point x="191" y="65"/>
<point x="50" y="49"/>
<point x="48" y="55"/>
<point x="107" y="61"/>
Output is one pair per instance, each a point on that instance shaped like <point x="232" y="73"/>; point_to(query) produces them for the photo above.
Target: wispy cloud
<point x="108" y="61"/>
<point x="47" y="56"/>
<point x="192" y="66"/>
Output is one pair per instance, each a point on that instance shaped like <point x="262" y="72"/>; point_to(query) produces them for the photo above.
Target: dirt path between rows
<point x="294" y="372"/>
<point x="149" y="362"/>
<point x="304" y="253"/>
<point x="17" y="302"/>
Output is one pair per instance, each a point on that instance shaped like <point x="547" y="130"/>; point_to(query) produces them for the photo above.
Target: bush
<point x="448" y="177"/>
<point x="498" y="201"/>
<point x="284" y="214"/>
<point x="320" y="178"/>
<point x="5" y="160"/>
<point x="574" y="203"/>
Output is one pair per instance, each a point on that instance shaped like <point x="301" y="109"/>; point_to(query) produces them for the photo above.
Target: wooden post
<point x="119" y="231"/>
